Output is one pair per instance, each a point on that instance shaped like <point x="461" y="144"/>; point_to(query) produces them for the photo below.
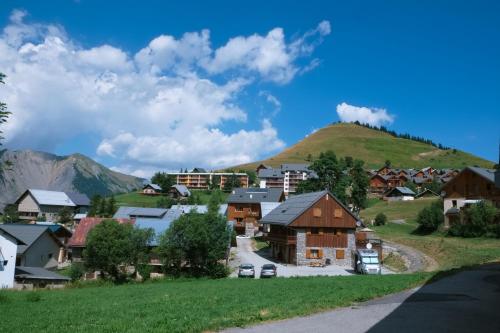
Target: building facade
<point x="287" y="176"/>
<point x="202" y="180"/>
<point x="312" y="229"/>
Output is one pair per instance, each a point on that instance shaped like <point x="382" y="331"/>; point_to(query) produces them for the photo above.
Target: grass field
<point x="373" y="147"/>
<point x="449" y="252"/>
<point x="136" y="199"/>
<point x="188" y="305"/>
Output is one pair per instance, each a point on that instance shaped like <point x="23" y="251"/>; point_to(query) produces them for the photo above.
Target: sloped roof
<point x="79" y="199"/>
<point x="201" y="209"/>
<point x="153" y="186"/>
<point x="255" y="195"/>
<point x="27" y="233"/>
<point x="488" y="174"/>
<point x="159" y="226"/>
<point x="123" y="212"/>
<point x="38" y="273"/>
<point x="49" y="198"/>
<point x="148" y="212"/>
<point x="86" y="224"/>
<point x="426" y="191"/>
<point x="18" y="241"/>
<point x="402" y="190"/>
<point x="267" y="207"/>
<point x="270" y="173"/>
<point x="182" y="189"/>
<point x="295" y="167"/>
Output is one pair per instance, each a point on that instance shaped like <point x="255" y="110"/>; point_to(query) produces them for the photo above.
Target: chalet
<point x="426" y="193"/>
<point x="33" y="204"/>
<point x="399" y="193"/>
<point x="8" y="254"/>
<point x="41" y="247"/>
<point x="245" y="207"/>
<point x="312" y="228"/>
<point x="384" y="170"/>
<point x="151" y="189"/>
<point x="378" y="183"/>
<point x="179" y="191"/>
<point x="471" y="185"/>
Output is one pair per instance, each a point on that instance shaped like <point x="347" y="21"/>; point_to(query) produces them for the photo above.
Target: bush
<point x="479" y="220"/>
<point x="76" y="271"/>
<point x="430" y="218"/>
<point x="33" y="297"/>
<point x="145" y="271"/>
<point x="218" y="271"/>
<point x="380" y="219"/>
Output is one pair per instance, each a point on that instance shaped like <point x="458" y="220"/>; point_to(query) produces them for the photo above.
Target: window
<point x="50" y="255"/>
<point x="454" y="203"/>
<point x="314" y="231"/>
<point x="317" y="212"/>
<point x="314" y="253"/>
<point x="337" y="213"/>
<point x="339" y="254"/>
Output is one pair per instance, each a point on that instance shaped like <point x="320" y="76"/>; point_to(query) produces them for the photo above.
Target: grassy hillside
<point x="372" y="146"/>
<point x="136" y="199"/>
<point x="189" y="305"/>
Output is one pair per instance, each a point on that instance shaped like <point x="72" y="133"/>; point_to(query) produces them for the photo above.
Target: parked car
<point x="246" y="270"/>
<point x="268" y="270"/>
<point x="366" y="262"/>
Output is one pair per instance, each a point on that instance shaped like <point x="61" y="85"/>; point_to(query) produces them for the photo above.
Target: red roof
<point x="86" y="224"/>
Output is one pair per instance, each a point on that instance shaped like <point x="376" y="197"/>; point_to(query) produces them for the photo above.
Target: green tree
<point x="252" y="177"/>
<point x="215" y="183"/>
<point x="111" y="247"/>
<point x="165" y="202"/>
<point x="101" y="210"/>
<point x="194" y="199"/>
<point x="477" y="219"/>
<point x="231" y="182"/>
<point x="111" y="206"/>
<point x="196" y="243"/>
<point x="434" y="186"/>
<point x="380" y="219"/>
<point x="95" y="204"/>
<point x="65" y="216"/>
<point x="360" y="183"/>
<point x="388" y="163"/>
<point x="164" y="180"/>
<point x="411" y="185"/>
<point x="430" y="218"/>
<point x="10" y="214"/>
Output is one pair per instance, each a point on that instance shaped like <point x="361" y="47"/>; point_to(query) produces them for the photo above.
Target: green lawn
<point x="260" y="243"/>
<point x="449" y="252"/>
<point x="189" y="305"/>
<point x="136" y="199"/>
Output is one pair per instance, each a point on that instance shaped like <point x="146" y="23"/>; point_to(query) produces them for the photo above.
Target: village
<point x="307" y="234"/>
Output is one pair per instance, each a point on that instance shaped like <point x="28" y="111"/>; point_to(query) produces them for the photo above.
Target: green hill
<point x="372" y="146"/>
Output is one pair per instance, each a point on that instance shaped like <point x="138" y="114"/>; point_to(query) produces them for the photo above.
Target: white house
<point x="8" y="253"/>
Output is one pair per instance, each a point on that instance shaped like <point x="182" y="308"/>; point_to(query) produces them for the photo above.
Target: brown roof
<point x="86" y="224"/>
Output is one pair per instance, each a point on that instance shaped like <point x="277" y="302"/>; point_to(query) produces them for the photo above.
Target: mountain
<point x="76" y="173"/>
<point x="372" y="146"/>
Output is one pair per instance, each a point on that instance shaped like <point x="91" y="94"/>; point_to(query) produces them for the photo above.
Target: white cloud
<point x="158" y="108"/>
<point x="365" y="115"/>
<point x="273" y="100"/>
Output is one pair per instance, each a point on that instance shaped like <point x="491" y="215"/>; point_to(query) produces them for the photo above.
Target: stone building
<point x="312" y="228"/>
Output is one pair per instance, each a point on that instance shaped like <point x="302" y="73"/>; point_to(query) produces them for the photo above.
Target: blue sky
<point x="429" y="68"/>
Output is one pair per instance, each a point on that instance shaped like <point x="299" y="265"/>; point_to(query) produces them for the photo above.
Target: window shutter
<point x="320" y="253"/>
<point x="338" y="212"/>
<point x="317" y="212"/>
<point x="308" y="254"/>
<point x="339" y="254"/>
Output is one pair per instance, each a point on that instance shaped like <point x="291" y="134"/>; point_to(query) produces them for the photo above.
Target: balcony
<point x="285" y="239"/>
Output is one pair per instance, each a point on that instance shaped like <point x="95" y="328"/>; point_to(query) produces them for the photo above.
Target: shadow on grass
<point x="465" y="299"/>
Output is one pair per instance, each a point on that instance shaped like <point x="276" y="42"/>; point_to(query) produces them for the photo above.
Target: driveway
<point x="465" y="302"/>
<point x="245" y="255"/>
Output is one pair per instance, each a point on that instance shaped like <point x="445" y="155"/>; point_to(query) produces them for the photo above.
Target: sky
<point x="142" y="86"/>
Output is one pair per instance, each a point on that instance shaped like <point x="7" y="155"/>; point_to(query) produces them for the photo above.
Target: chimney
<point x="497" y="171"/>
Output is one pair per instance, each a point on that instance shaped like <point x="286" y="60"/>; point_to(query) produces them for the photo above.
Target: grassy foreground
<point x="189" y="305"/>
<point x="449" y="252"/>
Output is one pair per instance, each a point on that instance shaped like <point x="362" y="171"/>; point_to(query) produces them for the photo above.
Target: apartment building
<point x="287" y="176"/>
<point x="202" y="180"/>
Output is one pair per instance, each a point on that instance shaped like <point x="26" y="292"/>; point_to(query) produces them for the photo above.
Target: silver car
<point x="268" y="270"/>
<point x="246" y="270"/>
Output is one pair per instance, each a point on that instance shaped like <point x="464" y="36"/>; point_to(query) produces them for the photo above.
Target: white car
<point x="246" y="270"/>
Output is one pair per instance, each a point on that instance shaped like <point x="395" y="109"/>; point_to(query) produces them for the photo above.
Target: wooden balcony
<point x="284" y="239"/>
<point x="326" y="240"/>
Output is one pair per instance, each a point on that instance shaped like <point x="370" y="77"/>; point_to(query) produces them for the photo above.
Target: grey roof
<point x="153" y="186"/>
<point x="79" y="199"/>
<point x="199" y="170"/>
<point x="292" y="208"/>
<point x="148" y="212"/>
<point x="27" y="233"/>
<point x="51" y="198"/>
<point x="270" y="173"/>
<point x="420" y="180"/>
<point x="123" y="212"/>
<point x="488" y="174"/>
<point x="182" y="189"/>
<point x="201" y="209"/>
<point x="402" y="190"/>
<point x="159" y="225"/>
<point x="38" y="273"/>
<point x="295" y="167"/>
<point x="453" y="210"/>
<point x="255" y="195"/>
<point x="267" y="207"/>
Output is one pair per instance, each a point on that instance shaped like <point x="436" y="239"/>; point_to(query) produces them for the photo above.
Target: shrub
<point x="76" y="271"/>
<point x="430" y="218"/>
<point x="218" y="271"/>
<point x="479" y="220"/>
<point x="145" y="271"/>
<point x="33" y="297"/>
<point x="380" y="219"/>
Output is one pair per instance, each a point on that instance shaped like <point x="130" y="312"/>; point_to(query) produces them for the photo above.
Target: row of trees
<point x="403" y="135"/>
<point x="344" y="177"/>
<point x="194" y="245"/>
<point x="102" y="207"/>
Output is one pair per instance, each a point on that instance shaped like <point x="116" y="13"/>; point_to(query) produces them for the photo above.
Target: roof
<point x="295" y="167"/>
<point x="27" y="233"/>
<point x="270" y="173"/>
<point x="292" y="208"/>
<point x="426" y="191"/>
<point x="402" y="190"/>
<point x="18" y="241"/>
<point x="159" y="226"/>
<point x="488" y="174"/>
<point x="201" y="209"/>
<point x="148" y="212"/>
<point x="255" y="195"/>
<point x="49" y="198"/>
<point x="57" y="229"/>
<point x="153" y="186"/>
<point x="202" y="170"/>
<point x="38" y="273"/>
<point x="79" y="216"/>
<point x="182" y="189"/>
<point x="79" y="199"/>
<point x="82" y="229"/>
<point x="123" y="212"/>
<point x="267" y="207"/>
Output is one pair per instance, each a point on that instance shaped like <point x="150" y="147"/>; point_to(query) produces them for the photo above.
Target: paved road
<point x="466" y="302"/>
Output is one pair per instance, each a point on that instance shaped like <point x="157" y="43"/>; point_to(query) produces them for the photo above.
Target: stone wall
<point x="328" y="252"/>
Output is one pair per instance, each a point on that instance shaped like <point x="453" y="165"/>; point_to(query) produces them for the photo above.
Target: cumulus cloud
<point x="365" y="115"/>
<point x="158" y="108"/>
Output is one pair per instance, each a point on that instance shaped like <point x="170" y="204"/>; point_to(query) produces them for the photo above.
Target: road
<point x="461" y="303"/>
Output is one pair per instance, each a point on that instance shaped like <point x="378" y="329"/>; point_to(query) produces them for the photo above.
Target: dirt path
<point x="416" y="260"/>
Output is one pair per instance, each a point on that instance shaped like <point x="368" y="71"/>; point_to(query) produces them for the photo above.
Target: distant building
<point x="287" y="176"/>
<point x="33" y="204"/>
<point x="8" y="254"/>
<point x="312" y="229"/>
<point x="202" y="180"/>
<point x="470" y="186"/>
<point x="151" y="189"/>
<point x="179" y="191"/>
<point x="399" y="193"/>
<point x="245" y="207"/>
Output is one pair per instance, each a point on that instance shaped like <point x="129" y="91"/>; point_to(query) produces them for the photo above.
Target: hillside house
<point x="8" y="254"/>
<point x="33" y="204"/>
<point x="312" y="228"/>
<point x="202" y="180"/>
<point x="244" y="207"/>
<point x="179" y="192"/>
<point x="471" y="185"/>
<point x="151" y="189"/>
<point x="399" y="194"/>
<point x="41" y="247"/>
